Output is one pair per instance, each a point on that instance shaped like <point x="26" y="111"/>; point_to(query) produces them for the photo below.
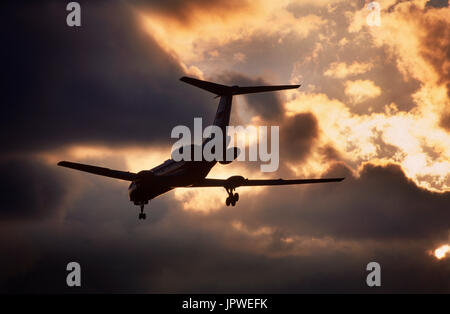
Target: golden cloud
<point x="206" y="32"/>
<point x="361" y="90"/>
<point x="342" y="70"/>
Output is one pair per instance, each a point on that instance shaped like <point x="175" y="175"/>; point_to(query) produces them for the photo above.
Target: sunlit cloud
<point x="355" y="137"/>
<point x="361" y="90"/>
<point x="190" y="42"/>
<point x="342" y="70"/>
<point x="132" y="159"/>
<point x="416" y="140"/>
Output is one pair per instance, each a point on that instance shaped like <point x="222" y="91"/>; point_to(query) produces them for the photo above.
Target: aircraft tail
<point x="226" y="94"/>
<point x="223" y="90"/>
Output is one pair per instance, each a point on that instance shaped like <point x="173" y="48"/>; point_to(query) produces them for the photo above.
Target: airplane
<point x="148" y="184"/>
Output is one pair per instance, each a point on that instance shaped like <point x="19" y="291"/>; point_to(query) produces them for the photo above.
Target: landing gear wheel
<point x="232" y="198"/>
<point x="142" y="215"/>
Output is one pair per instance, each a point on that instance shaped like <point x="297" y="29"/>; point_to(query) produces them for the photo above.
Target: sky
<point x="374" y="106"/>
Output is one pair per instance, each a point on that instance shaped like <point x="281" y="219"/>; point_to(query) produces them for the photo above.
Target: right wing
<point x="106" y="172"/>
<point x="236" y="181"/>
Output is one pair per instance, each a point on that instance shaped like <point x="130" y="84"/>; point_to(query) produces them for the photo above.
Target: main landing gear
<point x="232" y="198"/>
<point x="142" y="215"/>
<point x="141" y="203"/>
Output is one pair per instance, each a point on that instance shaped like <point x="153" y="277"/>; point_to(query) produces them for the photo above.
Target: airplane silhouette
<point x="148" y="184"/>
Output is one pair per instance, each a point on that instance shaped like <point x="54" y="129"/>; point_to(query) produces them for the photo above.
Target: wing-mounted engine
<point x="234" y="182"/>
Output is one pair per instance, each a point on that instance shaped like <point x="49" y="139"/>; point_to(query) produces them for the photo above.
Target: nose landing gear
<point x="142" y="215"/>
<point x="232" y="198"/>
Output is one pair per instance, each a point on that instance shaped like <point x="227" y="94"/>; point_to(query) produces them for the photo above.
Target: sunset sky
<point x="374" y="106"/>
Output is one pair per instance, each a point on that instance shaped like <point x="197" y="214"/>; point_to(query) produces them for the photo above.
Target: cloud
<point x="356" y="138"/>
<point x="445" y="121"/>
<point x="342" y="70"/>
<point x="239" y="57"/>
<point x="67" y="86"/>
<point x="380" y="204"/>
<point x="437" y="3"/>
<point x="297" y="136"/>
<point x="191" y="41"/>
<point x="184" y="12"/>
<point x="423" y="55"/>
<point x="31" y="190"/>
<point x="435" y="48"/>
<point x="350" y="224"/>
<point x="361" y="90"/>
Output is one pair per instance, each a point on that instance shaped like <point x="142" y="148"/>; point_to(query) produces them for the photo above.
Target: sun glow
<point x="441" y="252"/>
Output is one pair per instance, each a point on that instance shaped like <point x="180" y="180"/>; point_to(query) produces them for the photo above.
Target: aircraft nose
<point x="132" y="191"/>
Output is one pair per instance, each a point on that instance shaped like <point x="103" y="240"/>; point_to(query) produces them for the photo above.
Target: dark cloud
<point x="150" y="262"/>
<point x="297" y="135"/>
<point x="330" y="153"/>
<point x="380" y="204"/>
<point x="30" y="189"/>
<point x="445" y="121"/>
<point x="182" y="251"/>
<point x="106" y="81"/>
<point x="437" y="3"/>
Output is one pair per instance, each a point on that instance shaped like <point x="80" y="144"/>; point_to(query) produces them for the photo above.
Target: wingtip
<point x="186" y="79"/>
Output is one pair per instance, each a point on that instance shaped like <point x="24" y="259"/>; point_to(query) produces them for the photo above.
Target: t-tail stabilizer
<point x="222" y="90"/>
<point x="226" y="94"/>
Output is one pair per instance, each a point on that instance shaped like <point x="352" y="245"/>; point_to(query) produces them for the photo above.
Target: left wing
<point x="106" y="172"/>
<point x="237" y="181"/>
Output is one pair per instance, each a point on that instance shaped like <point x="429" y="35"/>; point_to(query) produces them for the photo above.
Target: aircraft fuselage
<point x="165" y="177"/>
